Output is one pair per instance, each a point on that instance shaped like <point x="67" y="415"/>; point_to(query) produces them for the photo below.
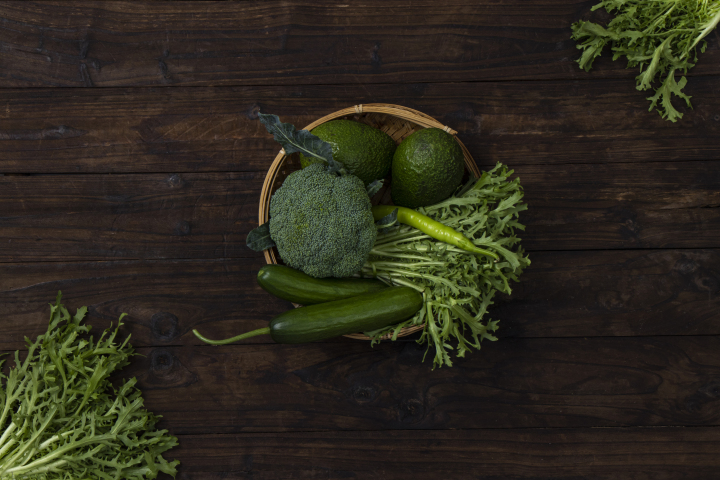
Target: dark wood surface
<point x="132" y="162"/>
<point x="89" y="43"/>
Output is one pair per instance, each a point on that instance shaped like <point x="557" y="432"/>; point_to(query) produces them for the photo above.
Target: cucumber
<point x="298" y="287"/>
<point x="331" y="319"/>
<point x="357" y="314"/>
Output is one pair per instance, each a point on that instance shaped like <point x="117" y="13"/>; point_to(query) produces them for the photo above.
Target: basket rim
<point x="399" y="111"/>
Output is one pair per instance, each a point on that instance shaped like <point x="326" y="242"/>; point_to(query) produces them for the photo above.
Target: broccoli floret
<point x="322" y="223"/>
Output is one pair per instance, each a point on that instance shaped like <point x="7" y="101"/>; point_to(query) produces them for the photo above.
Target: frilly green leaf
<point x="658" y="37"/>
<point x="61" y="417"/>
<point x="458" y="287"/>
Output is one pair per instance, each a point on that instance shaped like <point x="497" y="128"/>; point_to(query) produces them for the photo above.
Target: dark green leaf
<point x="259" y="238"/>
<point x="374" y="187"/>
<point x="336" y="167"/>
<point x="293" y="140"/>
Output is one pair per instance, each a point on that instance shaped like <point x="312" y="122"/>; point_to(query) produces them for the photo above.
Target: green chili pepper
<point x="430" y="227"/>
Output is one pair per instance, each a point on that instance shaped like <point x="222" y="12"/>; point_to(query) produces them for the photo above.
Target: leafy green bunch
<point x="659" y="36"/>
<point x="61" y="417"/>
<point x="458" y="286"/>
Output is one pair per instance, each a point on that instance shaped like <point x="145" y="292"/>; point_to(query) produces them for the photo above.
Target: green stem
<point x="5" y="436"/>
<point x="12" y="394"/>
<point x="60" y="452"/>
<point x="53" y="439"/>
<point x="259" y="331"/>
<point x="709" y="28"/>
<point x="52" y="466"/>
<point x="389" y="253"/>
<point x="391" y="279"/>
<point x="7" y="447"/>
<point x="402" y="238"/>
<point x="21" y="454"/>
<point x="407" y="273"/>
<point x="656" y="21"/>
<point x="403" y="265"/>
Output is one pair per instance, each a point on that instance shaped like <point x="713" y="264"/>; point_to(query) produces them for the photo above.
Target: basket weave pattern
<point x="397" y="121"/>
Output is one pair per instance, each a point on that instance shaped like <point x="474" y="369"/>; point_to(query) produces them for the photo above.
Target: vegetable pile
<point x="659" y="37"/>
<point x="442" y="261"/>
<point x="62" y="419"/>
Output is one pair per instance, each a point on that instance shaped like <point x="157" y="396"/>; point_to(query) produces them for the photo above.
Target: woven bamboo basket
<point x="398" y="122"/>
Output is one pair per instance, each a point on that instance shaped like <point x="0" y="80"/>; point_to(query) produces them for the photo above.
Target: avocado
<point x="426" y="169"/>
<point x="365" y="151"/>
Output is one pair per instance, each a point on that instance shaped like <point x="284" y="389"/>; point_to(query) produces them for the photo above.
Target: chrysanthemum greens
<point x="458" y="286"/>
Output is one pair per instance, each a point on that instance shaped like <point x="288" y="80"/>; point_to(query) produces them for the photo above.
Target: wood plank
<point x="208" y="215"/>
<point x="164" y="300"/>
<point x="180" y="130"/>
<point x="563" y="294"/>
<point x="91" y="43"/>
<point x="649" y="205"/>
<point x="607" y="453"/>
<point x="512" y="383"/>
<point x="661" y="292"/>
<point x="128" y="216"/>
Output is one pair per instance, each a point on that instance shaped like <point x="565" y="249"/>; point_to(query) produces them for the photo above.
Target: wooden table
<point x="133" y="162"/>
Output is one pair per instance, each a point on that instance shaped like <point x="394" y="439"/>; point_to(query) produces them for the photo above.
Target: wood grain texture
<point x="563" y="294"/>
<point x="85" y="44"/>
<point x="615" y="453"/>
<point x="512" y="383"/>
<point x="208" y="215"/>
<point x="128" y="216"/>
<point x="179" y="130"/>
<point x="163" y="300"/>
<point x="585" y="294"/>
<point x="136" y="197"/>
<point x="648" y="205"/>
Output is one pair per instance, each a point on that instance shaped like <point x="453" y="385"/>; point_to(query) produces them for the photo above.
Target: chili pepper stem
<point x="253" y="333"/>
<point x="480" y="251"/>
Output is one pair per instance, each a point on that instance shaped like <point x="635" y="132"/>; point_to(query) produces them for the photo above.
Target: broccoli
<point x="322" y="223"/>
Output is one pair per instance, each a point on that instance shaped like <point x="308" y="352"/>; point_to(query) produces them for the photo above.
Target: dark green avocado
<point x="426" y="169"/>
<point x="365" y="151"/>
